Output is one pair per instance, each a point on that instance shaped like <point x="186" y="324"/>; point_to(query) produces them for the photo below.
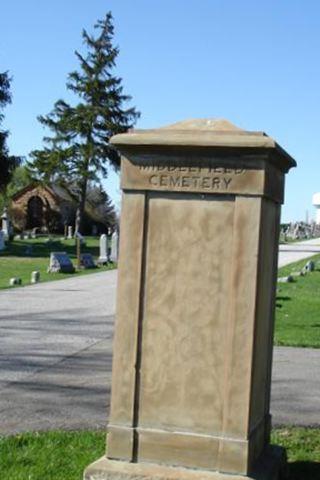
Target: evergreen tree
<point x="79" y="149"/>
<point x="101" y="204"/>
<point x="7" y="162"/>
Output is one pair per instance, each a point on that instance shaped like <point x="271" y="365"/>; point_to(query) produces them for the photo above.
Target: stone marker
<point x="114" y="247"/>
<point x="2" y="242"/>
<point x="15" y="281"/>
<point x="70" y="232"/>
<point x="195" y="310"/>
<point x="60" y="262"/>
<point x="86" y="261"/>
<point x="35" y="276"/>
<point x="5" y="223"/>
<point x="310" y="266"/>
<point x="103" y="257"/>
<point x="288" y="279"/>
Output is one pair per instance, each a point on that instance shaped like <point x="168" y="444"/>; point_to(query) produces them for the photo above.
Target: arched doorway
<point x="35" y="212"/>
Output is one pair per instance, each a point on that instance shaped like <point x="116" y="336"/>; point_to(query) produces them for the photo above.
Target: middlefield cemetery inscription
<point x="209" y="175"/>
<point x="210" y="178"/>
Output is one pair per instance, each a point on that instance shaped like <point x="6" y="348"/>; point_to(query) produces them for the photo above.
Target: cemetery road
<point x="55" y="353"/>
<point x="55" y="359"/>
<point x="292" y="252"/>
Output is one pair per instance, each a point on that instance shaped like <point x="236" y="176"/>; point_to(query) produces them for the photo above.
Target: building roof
<point x="62" y="193"/>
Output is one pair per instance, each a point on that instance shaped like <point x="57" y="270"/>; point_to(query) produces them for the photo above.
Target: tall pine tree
<point x="78" y="151"/>
<point x="7" y="162"/>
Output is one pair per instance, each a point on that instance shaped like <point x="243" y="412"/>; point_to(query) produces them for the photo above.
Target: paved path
<point x="292" y="252"/>
<point x="55" y="359"/>
<point x="55" y="353"/>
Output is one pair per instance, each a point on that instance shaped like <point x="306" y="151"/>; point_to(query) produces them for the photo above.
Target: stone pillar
<point x="195" y="305"/>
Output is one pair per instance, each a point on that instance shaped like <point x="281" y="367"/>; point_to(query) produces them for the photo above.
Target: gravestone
<point x="288" y="279"/>
<point x="114" y="247"/>
<point x="310" y="266"/>
<point x="35" y="232"/>
<point x="2" y="242"/>
<point x="15" y="281"/>
<point x="86" y="261"/>
<point x="35" y="276"/>
<point x="103" y="244"/>
<point x="60" y="263"/>
<point x="5" y="222"/>
<point x="70" y="232"/>
<point x="195" y="305"/>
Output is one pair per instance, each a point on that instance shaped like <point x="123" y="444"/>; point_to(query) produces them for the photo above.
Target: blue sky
<point x="256" y="63"/>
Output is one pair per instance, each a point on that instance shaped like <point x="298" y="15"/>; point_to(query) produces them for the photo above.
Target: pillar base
<point x="271" y="466"/>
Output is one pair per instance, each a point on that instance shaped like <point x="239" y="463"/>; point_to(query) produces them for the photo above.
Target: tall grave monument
<point x="195" y="307"/>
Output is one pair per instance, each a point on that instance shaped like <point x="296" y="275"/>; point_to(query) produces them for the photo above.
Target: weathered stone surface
<point x="273" y="467"/>
<point x="196" y="294"/>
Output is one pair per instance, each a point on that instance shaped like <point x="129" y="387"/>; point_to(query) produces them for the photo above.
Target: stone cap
<point x="212" y="134"/>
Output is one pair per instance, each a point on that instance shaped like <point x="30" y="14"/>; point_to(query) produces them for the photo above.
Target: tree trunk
<point x="81" y="206"/>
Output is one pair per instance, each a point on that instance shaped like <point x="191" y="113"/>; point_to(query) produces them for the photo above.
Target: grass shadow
<point x="34" y="248"/>
<point x="281" y="299"/>
<point x="303" y="470"/>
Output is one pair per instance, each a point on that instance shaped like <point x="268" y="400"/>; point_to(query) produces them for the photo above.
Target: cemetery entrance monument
<point x="195" y="305"/>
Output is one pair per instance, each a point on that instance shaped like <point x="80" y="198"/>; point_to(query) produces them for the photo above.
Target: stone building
<point x="50" y="208"/>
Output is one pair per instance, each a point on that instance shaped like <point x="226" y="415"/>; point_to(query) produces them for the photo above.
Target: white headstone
<point x="5" y="223"/>
<point x="35" y="276"/>
<point x="70" y="232"/>
<point x="2" y="244"/>
<point x="103" y="256"/>
<point x="15" y="281"/>
<point x="114" y="247"/>
<point x="60" y="262"/>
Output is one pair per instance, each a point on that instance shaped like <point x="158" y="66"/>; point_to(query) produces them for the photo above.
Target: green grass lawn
<point x="298" y="308"/>
<point x="64" y="455"/>
<point x="49" y="455"/>
<point x="303" y="450"/>
<point x="14" y="262"/>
